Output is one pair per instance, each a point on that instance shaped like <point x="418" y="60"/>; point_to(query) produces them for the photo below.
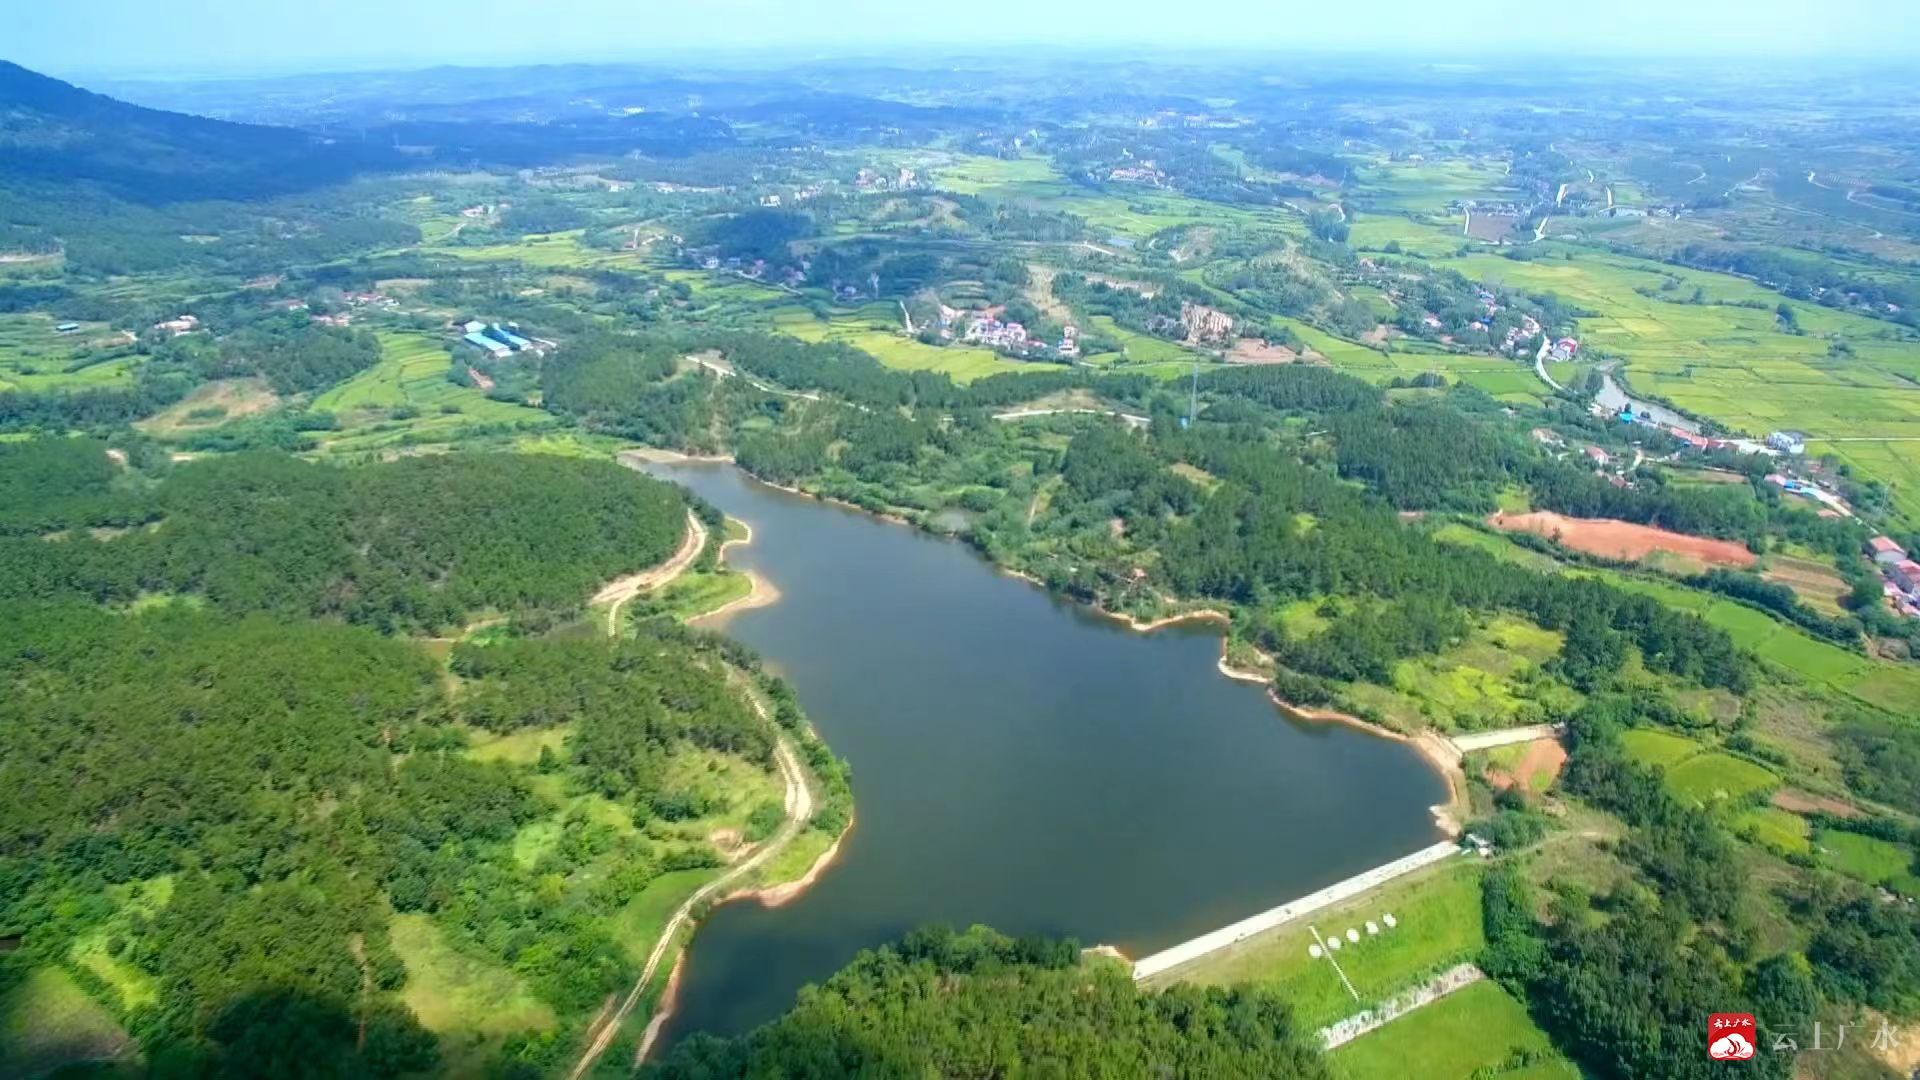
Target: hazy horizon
<point x="187" y="38"/>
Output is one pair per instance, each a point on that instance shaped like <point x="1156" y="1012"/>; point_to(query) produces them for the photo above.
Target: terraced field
<point x="36" y="357"/>
<point x="411" y="376"/>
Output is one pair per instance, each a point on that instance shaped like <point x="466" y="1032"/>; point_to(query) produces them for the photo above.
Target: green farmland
<point x="411" y="378"/>
<point x="1479" y="1030"/>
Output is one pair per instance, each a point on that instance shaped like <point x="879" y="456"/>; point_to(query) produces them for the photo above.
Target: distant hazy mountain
<point x="52" y="131"/>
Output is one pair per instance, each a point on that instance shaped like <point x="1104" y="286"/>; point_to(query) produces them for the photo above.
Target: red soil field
<point x="1612" y="539"/>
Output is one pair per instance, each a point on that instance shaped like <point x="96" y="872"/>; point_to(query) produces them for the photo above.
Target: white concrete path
<point x="1188" y="951"/>
<point x="1487" y="740"/>
<point x="1506" y="736"/>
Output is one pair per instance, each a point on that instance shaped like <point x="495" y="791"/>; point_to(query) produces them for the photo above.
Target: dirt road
<point x="620" y="590"/>
<point x="799" y="805"/>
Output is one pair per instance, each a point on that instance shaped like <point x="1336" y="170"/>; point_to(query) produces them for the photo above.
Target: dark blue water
<point x="1022" y="763"/>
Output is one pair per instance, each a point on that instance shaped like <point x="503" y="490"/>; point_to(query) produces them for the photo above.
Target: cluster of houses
<point x="800" y="195"/>
<point x="1144" y="173"/>
<point x="874" y="180"/>
<point x="500" y="342"/>
<point x="983" y="328"/>
<point x="1899" y="575"/>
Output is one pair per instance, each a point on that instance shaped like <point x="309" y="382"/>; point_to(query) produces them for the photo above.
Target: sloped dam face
<point x="1021" y="762"/>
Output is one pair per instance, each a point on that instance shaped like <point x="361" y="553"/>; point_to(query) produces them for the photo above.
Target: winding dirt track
<point x="799" y="812"/>
<point x="799" y="805"/>
<point x="620" y="590"/>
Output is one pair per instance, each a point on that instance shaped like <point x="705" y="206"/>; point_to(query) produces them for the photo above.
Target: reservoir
<point x="1021" y="762"/>
<point x="1615" y="399"/>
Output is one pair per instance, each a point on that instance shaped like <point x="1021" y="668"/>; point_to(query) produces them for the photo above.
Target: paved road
<point x="1188" y="951"/>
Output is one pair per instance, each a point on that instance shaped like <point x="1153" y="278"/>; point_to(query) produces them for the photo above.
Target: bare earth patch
<point x="1810" y="581"/>
<point x="1803" y="802"/>
<point x="1255" y="351"/>
<point x="1623" y="540"/>
<point x="213" y="404"/>
<point x="728" y="842"/>
<point x="1535" y="771"/>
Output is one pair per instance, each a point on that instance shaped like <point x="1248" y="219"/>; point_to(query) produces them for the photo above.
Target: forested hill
<point x="56" y="133"/>
<point x="417" y="544"/>
<point x="981" y="1004"/>
<point x="256" y="832"/>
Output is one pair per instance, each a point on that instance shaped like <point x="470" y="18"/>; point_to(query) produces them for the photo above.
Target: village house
<point x="1788" y="442"/>
<point x="991" y="332"/>
<point x="1564" y="349"/>
<point x="185" y="324"/>
<point x="1906" y="574"/>
<point x="1884" y="551"/>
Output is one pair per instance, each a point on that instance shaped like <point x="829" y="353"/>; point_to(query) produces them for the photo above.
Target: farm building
<point x="486" y="344"/>
<point x="1906" y="574"/>
<point x="497" y="341"/>
<point x="1885" y="552"/>
<point x="67" y="328"/>
<point x="1788" y="442"/>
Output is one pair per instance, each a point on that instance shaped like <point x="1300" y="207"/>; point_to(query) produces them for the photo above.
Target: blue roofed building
<point x="506" y="337"/>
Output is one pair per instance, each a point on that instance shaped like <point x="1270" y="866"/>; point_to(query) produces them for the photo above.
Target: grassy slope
<point x="1439" y="915"/>
<point x="1479" y="1027"/>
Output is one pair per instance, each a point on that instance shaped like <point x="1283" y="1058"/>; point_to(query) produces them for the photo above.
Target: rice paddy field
<point x="1726" y="356"/>
<point x="1428" y="186"/>
<point x="1783" y="831"/>
<point x="48" y="1023"/>
<point x="1871" y="859"/>
<point x="1705" y="778"/>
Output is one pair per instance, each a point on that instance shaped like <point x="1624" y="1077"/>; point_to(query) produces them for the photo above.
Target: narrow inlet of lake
<point x="1021" y="762"/>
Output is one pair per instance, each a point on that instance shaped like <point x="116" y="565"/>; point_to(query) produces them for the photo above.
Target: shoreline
<point x="801" y="808"/>
<point x="1449" y="816"/>
<point x="782" y="893"/>
<point x="767" y="896"/>
<point x="760" y="593"/>
<point x="662" y="1009"/>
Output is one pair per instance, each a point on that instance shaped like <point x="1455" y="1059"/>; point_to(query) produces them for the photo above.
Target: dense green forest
<point x="982" y="1004"/>
<point x="419" y="543"/>
<point x="229" y="800"/>
<point x="289" y="787"/>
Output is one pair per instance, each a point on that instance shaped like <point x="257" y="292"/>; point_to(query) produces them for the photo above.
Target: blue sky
<point x="78" y="37"/>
